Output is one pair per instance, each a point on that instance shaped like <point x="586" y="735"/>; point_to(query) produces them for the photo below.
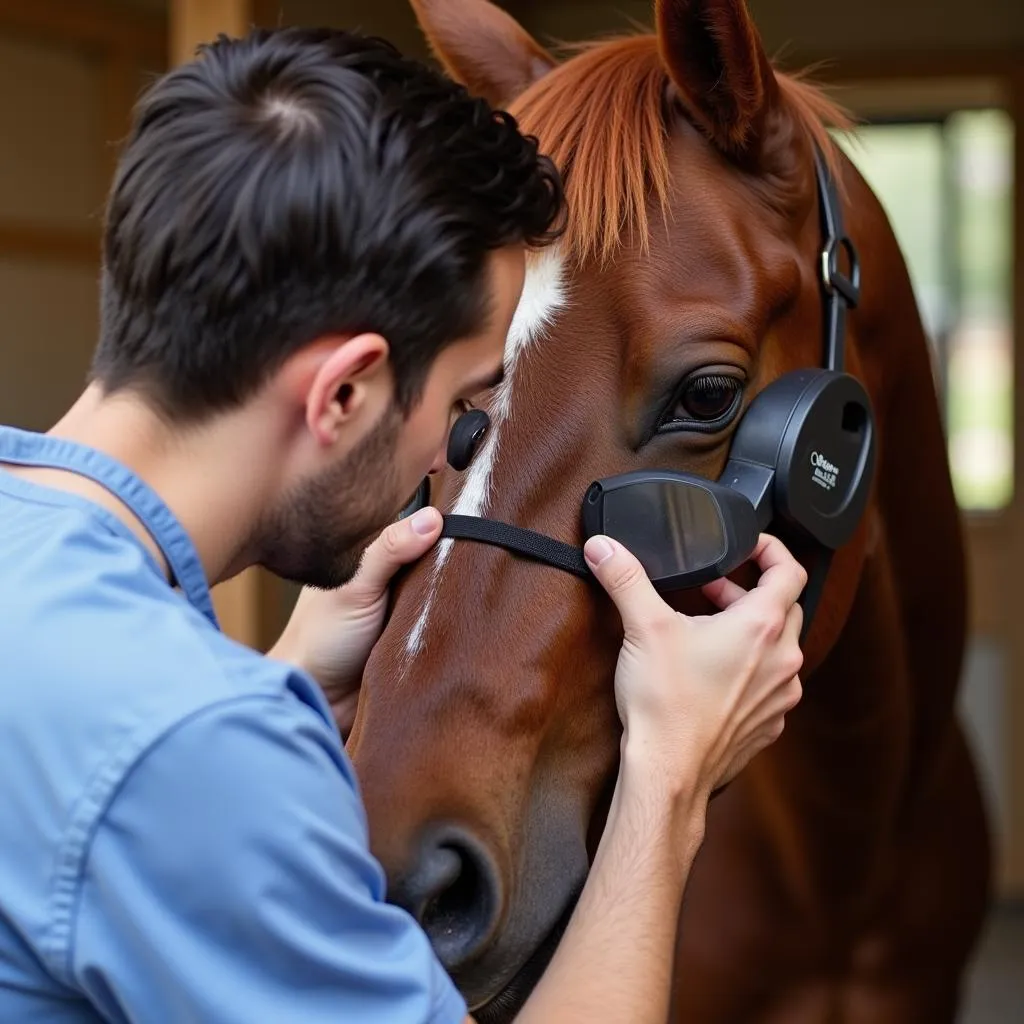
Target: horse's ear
<point x="714" y="55"/>
<point x="483" y="47"/>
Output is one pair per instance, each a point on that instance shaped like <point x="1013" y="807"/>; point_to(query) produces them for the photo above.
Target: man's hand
<point x="700" y="696"/>
<point x="331" y="633"/>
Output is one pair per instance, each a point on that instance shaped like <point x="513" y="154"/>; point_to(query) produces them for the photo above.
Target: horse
<point x="845" y="874"/>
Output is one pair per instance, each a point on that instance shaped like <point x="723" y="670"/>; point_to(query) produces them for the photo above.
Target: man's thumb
<point x="623" y="577"/>
<point x="401" y="543"/>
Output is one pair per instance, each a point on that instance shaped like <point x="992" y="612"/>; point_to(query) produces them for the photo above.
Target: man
<point x="312" y="253"/>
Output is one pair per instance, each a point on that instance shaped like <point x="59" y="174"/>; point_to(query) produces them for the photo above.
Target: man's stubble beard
<point x="317" y="535"/>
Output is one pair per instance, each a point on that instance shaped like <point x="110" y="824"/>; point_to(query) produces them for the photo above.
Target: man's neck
<point x="209" y="476"/>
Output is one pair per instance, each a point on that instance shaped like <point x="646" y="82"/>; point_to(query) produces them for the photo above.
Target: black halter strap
<point x="537" y="546"/>
<point x="840" y="292"/>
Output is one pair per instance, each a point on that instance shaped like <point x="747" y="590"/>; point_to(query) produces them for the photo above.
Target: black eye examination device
<point x="801" y="463"/>
<point x="802" y="456"/>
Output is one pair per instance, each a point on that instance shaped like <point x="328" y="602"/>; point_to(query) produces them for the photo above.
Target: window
<point x="947" y="186"/>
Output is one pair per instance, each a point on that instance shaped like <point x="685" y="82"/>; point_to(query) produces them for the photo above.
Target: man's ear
<point x="353" y="376"/>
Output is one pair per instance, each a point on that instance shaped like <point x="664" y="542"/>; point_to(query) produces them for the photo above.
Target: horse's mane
<point x="601" y="119"/>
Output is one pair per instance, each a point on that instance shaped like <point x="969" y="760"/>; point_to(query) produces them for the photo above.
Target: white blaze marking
<point x="543" y="295"/>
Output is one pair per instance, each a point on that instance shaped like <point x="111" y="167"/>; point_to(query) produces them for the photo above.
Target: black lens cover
<point x="685" y="530"/>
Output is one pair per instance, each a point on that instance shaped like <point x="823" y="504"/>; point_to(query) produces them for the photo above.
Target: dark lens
<point x="672" y="526"/>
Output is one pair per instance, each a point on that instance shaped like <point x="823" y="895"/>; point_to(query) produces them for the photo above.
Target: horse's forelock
<point x="601" y="117"/>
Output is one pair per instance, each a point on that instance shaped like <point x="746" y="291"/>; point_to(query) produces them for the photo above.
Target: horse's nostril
<point x="453" y="891"/>
<point x="459" y="900"/>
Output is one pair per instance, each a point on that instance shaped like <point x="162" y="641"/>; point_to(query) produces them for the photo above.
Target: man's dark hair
<point x="297" y="183"/>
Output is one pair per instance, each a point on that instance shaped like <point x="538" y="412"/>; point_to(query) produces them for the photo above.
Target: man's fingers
<point x="781" y="582"/>
<point x="723" y="592"/>
<point x="626" y="583"/>
<point x="780" y="571"/>
<point x="401" y="543"/>
<point x="794" y="623"/>
<point x="782" y="578"/>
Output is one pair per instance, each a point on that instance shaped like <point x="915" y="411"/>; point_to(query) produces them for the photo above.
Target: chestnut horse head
<point x="687" y="280"/>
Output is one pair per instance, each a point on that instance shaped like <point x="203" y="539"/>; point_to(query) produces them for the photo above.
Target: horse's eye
<point x="707" y="400"/>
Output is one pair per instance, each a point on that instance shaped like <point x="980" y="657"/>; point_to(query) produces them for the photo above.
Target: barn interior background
<point x="939" y="88"/>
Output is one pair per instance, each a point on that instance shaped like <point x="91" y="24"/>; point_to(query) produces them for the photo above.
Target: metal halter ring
<point x="833" y="278"/>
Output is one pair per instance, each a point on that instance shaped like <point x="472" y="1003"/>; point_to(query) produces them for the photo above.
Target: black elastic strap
<point x="537" y="546"/>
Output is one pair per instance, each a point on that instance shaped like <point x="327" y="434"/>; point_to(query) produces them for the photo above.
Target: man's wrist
<point x="650" y="792"/>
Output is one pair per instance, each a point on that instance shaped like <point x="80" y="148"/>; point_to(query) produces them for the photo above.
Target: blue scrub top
<point x="181" y="833"/>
